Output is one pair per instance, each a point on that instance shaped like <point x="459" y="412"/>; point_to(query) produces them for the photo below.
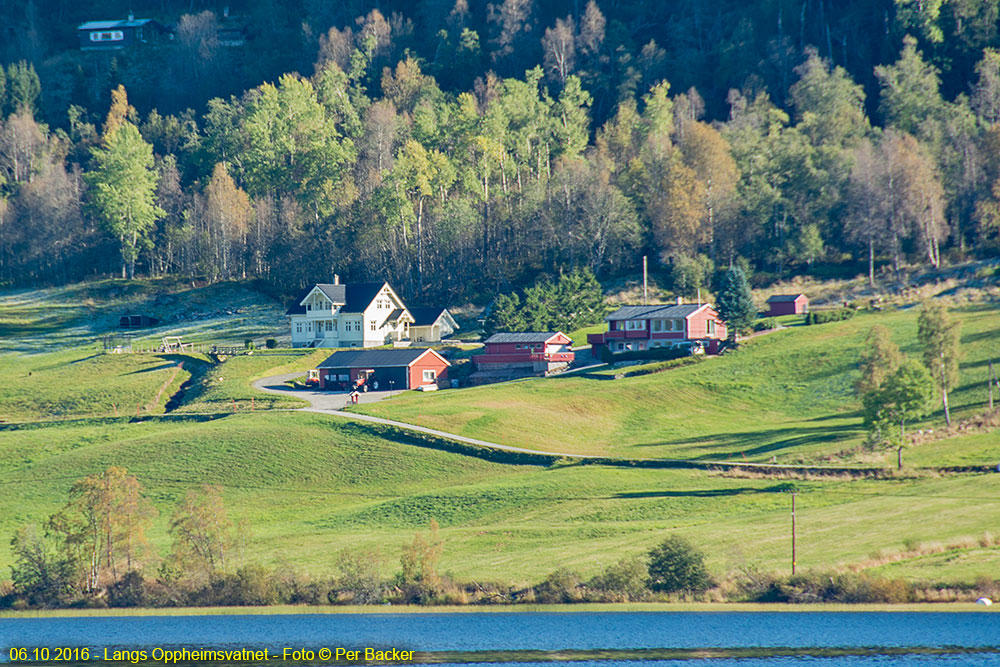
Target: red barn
<point x="787" y="304"/>
<point x="382" y="370"/>
<point x="638" y="328"/>
<point x="536" y="351"/>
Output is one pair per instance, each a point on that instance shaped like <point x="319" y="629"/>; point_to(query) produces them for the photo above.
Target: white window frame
<point x="430" y="375"/>
<point x="107" y="36"/>
<point x="710" y="327"/>
<point x="657" y="325"/>
<point x="635" y="325"/>
<point x="298" y="327"/>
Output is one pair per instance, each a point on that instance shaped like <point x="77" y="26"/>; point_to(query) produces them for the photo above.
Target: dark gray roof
<point x="658" y="310"/>
<point x="425" y="317"/>
<point x="525" y="337"/>
<point x="395" y="315"/>
<point x="354" y="297"/>
<point x="107" y="25"/>
<point x="373" y="358"/>
<point x="780" y="298"/>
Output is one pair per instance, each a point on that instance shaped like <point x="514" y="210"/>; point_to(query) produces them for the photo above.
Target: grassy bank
<point x="637" y="607"/>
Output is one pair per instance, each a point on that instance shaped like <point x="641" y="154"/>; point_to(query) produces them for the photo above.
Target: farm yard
<point x="309" y="485"/>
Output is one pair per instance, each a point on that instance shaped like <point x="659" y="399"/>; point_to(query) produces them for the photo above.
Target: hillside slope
<point x="787" y="395"/>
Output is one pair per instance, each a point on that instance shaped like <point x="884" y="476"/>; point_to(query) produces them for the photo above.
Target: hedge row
<point x="824" y="316"/>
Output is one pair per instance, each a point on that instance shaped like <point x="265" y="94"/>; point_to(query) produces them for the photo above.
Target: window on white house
<point x="112" y="36"/>
<point x="309" y="326"/>
<point x="309" y="306"/>
<point x="329" y="325"/>
<point x="430" y="376"/>
<point x="298" y="327"/>
<point x="657" y="325"/>
<point x="621" y="346"/>
<point x="372" y="325"/>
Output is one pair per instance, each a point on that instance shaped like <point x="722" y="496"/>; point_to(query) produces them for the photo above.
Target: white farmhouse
<point x="351" y="315"/>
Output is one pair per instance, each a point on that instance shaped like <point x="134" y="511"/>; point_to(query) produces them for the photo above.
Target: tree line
<point x="378" y="165"/>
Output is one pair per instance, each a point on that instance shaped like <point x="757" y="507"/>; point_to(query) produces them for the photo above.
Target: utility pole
<point x="645" y="283"/>
<point x="989" y="383"/>
<point x="793" y="532"/>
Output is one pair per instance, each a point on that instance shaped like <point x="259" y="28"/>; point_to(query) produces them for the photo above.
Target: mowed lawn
<point x="787" y="395"/>
<point x="309" y="486"/>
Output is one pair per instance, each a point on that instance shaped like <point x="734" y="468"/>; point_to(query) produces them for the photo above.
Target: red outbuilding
<point x="787" y="304"/>
<point x="540" y="352"/>
<point x="382" y="370"/>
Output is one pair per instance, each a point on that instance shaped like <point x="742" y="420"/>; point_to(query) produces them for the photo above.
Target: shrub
<point x="249" y="344"/>
<point x="561" y="586"/>
<point x="625" y="581"/>
<point x="270" y="343"/>
<point x="653" y="354"/>
<point x="765" y="324"/>
<point x="824" y="316"/>
<point x="129" y="592"/>
<point x="846" y="587"/>
<point x="360" y="580"/>
<point x="676" y="566"/>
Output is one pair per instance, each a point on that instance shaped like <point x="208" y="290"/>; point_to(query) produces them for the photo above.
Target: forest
<point x="460" y="149"/>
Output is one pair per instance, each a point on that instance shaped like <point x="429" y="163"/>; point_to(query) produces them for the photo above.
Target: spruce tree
<point x="735" y="302"/>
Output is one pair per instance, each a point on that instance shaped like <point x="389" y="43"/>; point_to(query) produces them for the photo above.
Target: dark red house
<point x="639" y="328"/>
<point x="382" y="370"/>
<point x="539" y="352"/>
<point x="787" y="304"/>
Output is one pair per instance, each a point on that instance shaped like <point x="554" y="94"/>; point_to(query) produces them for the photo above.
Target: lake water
<point x="542" y="631"/>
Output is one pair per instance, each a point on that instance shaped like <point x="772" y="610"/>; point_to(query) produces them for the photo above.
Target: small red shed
<point x="787" y="304"/>
<point x="382" y="370"/>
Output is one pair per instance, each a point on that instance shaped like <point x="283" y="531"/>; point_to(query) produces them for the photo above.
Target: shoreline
<point x="631" y="607"/>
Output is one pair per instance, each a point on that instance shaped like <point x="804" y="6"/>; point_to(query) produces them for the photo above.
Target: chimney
<point x="680" y="301"/>
<point x="336" y="279"/>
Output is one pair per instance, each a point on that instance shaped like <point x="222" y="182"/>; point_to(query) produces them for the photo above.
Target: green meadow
<point x="309" y="485"/>
<point x="786" y="395"/>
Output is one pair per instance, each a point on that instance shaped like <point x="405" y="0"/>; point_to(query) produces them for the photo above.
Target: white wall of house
<point x="324" y="324"/>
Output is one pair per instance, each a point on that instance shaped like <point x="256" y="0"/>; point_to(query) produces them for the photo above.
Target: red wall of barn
<point x="427" y="362"/>
<point x="788" y="307"/>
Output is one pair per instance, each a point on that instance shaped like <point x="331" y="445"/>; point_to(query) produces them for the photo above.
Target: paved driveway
<point x="318" y="400"/>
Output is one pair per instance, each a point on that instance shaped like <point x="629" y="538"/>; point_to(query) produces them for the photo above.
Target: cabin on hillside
<point x="383" y="370"/>
<point x="639" y="328"/>
<point x="120" y="34"/>
<point x="787" y="304"/>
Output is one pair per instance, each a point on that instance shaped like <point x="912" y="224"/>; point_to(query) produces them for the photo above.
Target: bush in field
<point x="270" y="343"/>
<point x="824" y="316"/>
<point x="360" y="578"/>
<point x="765" y="324"/>
<point x="561" y="586"/>
<point x="846" y="587"/>
<point x="677" y="566"/>
<point x="129" y="591"/>
<point x="625" y="581"/>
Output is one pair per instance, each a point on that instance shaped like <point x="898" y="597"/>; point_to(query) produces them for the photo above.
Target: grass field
<point x="786" y="395"/>
<point x="309" y="485"/>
